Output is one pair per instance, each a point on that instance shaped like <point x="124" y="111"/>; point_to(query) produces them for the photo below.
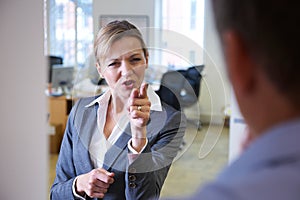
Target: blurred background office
<point x="180" y="35"/>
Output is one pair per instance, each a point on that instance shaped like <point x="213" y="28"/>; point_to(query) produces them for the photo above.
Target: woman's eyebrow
<point x="112" y="59"/>
<point x="135" y="54"/>
<point x="118" y="58"/>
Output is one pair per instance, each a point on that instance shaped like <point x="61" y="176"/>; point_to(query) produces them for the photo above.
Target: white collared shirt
<point x="99" y="145"/>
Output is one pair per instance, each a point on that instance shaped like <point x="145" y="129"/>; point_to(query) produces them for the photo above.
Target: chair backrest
<point x="181" y="88"/>
<point x="170" y="87"/>
<point x="194" y="76"/>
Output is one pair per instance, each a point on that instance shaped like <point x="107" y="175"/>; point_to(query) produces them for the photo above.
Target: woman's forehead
<point x="126" y="46"/>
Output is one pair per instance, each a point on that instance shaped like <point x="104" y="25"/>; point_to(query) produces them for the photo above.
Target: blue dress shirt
<point x="268" y="170"/>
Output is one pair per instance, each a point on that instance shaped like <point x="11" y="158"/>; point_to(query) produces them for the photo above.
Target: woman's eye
<point x="136" y="59"/>
<point x="113" y="64"/>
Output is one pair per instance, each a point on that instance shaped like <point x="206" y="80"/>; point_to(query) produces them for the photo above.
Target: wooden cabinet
<point x="58" y="109"/>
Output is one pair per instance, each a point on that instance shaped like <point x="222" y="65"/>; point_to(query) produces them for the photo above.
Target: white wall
<point x="215" y="91"/>
<point x="117" y="7"/>
<point x="220" y="87"/>
<point x="237" y="130"/>
<point x="23" y="149"/>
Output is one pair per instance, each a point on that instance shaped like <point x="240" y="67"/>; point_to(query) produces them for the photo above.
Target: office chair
<point x="181" y="88"/>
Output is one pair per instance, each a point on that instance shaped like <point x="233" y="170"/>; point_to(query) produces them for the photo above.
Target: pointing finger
<point x="143" y="90"/>
<point x="134" y="93"/>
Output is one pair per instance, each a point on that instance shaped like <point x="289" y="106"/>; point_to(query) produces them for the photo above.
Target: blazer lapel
<point x="156" y="123"/>
<point x="86" y="125"/>
<point x="117" y="150"/>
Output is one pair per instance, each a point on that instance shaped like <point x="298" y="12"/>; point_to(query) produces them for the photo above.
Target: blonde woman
<point x="118" y="145"/>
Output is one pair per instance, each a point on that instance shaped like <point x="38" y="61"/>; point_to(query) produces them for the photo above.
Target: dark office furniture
<point x="181" y="88"/>
<point x="53" y="60"/>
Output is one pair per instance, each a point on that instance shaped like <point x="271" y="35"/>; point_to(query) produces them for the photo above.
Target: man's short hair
<point x="269" y="29"/>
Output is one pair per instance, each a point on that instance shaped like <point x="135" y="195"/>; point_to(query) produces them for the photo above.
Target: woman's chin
<point x="124" y="90"/>
<point x="124" y="93"/>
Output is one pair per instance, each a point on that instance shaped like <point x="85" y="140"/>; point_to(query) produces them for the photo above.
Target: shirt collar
<point x="104" y="98"/>
<point x="153" y="97"/>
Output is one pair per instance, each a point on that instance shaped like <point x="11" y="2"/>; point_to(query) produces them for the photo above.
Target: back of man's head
<point x="269" y="29"/>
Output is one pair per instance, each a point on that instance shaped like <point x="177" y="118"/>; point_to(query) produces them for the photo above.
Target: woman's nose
<point x="126" y="68"/>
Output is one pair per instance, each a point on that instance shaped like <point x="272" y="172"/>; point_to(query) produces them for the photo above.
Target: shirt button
<point x="132" y="185"/>
<point x="132" y="177"/>
<point x="132" y="170"/>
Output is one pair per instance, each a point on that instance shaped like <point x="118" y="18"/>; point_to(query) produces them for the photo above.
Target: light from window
<point x="70" y="30"/>
<point x="186" y="19"/>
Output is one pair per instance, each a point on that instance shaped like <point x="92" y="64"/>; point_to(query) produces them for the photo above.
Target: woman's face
<point x="124" y="67"/>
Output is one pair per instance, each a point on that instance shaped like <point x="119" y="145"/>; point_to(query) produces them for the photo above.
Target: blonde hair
<point x="113" y="31"/>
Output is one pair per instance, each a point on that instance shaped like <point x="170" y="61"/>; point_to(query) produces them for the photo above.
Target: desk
<point x="59" y="109"/>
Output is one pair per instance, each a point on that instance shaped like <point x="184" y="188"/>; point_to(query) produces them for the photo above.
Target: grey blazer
<point x="141" y="179"/>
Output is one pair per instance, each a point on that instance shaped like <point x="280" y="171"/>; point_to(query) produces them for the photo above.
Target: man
<point x="261" y="41"/>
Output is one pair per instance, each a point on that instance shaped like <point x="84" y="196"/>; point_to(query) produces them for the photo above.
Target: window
<point x="186" y="20"/>
<point x="69" y="30"/>
<point x="193" y="14"/>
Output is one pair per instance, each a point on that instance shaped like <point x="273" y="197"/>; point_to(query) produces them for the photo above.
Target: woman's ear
<point x="147" y="59"/>
<point x="99" y="70"/>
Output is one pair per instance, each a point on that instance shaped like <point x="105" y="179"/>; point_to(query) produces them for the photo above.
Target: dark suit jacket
<point x="141" y="179"/>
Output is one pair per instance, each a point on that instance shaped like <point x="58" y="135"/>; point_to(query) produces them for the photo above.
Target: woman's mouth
<point x="129" y="83"/>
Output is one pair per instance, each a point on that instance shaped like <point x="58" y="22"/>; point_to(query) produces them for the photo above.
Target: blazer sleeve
<point x="146" y="174"/>
<point x="65" y="169"/>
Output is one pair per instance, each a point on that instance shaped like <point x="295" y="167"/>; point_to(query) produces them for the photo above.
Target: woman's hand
<point x="95" y="183"/>
<point x="139" y="114"/>
<point x="139" y="107"/>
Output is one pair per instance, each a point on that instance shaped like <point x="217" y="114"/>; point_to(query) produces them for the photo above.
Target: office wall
<point x="128" y="7"/>
<point x="23" y="155"/>
<point x="237" y="130"/>
<point x="215" y="91"/>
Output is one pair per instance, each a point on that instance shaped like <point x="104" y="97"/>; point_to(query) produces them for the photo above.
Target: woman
<point x="118" y="145"/>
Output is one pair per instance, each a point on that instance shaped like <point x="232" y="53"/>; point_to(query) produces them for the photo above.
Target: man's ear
<point x="240" y="66"/>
